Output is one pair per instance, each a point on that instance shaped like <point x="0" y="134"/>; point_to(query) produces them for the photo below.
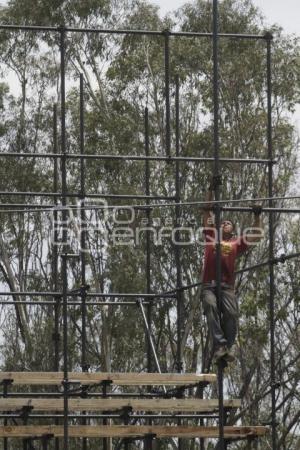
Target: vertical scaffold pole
<point x="217" y="208"/>
<point x="148" y="238"/>
<point x="167" y="91"/>
<point x="271" y="240"/>
<point x="5" y="395"/>
<point x="82" y="230"/>
<point x="54" y="246"/>
<point x="64" y="272"/>
<point x="84" y="365"/>
<point x="148" y="442"/>
<point x="55" y="258"/>
<point x="177" y="246"/>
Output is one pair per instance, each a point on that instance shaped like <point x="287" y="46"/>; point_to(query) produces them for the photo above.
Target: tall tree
<point x="123" y="74"/>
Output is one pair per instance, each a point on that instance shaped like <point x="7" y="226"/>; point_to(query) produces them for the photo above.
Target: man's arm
<point x="257" y="226"/>
<point x="208" y="219"/>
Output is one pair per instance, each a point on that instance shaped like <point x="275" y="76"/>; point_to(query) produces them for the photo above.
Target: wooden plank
<point x="131" y="431"/>
<point x="121" y="379"/>
<point x="111" y="404"/>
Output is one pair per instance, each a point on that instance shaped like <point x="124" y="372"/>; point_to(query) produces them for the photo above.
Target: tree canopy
<point x="123" y="74"/>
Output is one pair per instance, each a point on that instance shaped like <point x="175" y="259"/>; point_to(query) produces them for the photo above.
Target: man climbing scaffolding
<point x="222" y="314"/>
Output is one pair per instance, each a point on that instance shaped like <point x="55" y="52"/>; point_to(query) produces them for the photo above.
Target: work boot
<point x="229" y="357"/>
<point x="220" y="352"/>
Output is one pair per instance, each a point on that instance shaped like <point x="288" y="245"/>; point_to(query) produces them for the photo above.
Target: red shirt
<point x="230" y="250"/>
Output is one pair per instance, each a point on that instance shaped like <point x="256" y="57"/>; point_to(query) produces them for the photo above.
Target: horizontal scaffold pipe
<point x="126" y="158"/>
<point x="114" y="416"/>
<point x="90" y="294"/>
<point x="49" y="208"/>
<point x="93" y="394"/>
<point x="79" y="195"/>
<point x="268" y="210"/>
<point x="40" y="207"/>
<point x="130" y="32"/>
<point x="169" y="294"/>
<point x="78" y="303"/>
<point x="280" y="259"/>
<point x="189" y="203"/>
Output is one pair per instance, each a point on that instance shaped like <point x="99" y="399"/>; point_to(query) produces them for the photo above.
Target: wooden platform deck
<point x="118" y="378"/>
<point x="112" y="404"/>
<point x="153" y="405"/>
<point x="116" y="431"/>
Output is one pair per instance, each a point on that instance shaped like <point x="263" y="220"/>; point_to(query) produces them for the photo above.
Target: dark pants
<point x="222" y="319"/>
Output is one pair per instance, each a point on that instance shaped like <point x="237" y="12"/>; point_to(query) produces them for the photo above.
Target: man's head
<point x="227" y="228"/>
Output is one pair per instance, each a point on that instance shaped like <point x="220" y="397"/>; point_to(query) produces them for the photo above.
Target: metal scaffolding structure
<point x="62" y="299"/>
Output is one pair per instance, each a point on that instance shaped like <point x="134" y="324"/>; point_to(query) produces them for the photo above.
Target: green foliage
<point x="123" y="75"/>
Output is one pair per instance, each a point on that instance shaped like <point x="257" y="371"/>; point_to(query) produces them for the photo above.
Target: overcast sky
<point x="283" y="12"/>
<point x="286" y="13"/>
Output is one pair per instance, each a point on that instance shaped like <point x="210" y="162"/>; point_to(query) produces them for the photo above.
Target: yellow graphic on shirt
<point x="226" y="248"/>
